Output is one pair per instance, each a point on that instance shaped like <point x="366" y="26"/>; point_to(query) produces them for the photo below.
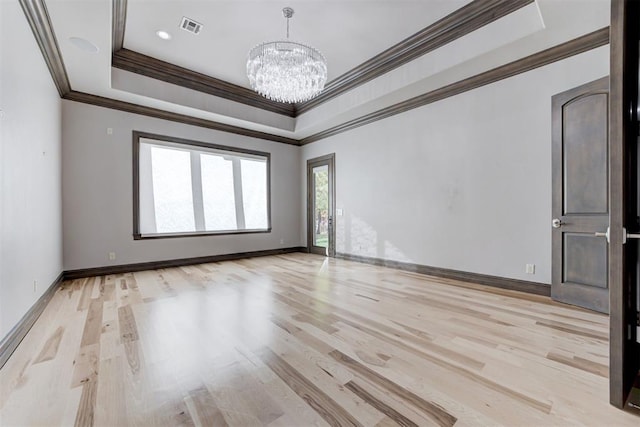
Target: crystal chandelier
<point x="286" y="71"/>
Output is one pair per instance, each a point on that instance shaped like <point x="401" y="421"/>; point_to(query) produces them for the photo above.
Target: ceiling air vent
<point x="190" y="25"/>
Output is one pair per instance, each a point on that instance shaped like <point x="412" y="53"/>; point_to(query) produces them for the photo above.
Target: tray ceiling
<point x="349" y="33"/>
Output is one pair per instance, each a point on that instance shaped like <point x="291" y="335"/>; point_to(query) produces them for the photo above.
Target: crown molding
<point x="129" y="107"/>
<point x="118" y="22"/>
<point x="463" y="21"/>
<point x="38" y="17"/>
<point x="557" y="53"/>
<point x="148" y="66"/>
<point x="40" y="23"/>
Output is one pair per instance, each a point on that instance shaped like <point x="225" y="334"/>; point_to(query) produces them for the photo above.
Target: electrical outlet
<point x="530" y="269"/>
<point x="35" y="286"/>
<point x="112" y="256"/>
<point x="282" y="241"/>
<point x="109" y="131"/>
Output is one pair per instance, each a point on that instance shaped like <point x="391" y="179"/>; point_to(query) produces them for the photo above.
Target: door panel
<point x="321" y="205"/>
<point x="585" y="155"/>
<point x="580" y="196"/>
<point x="585" y="260"/>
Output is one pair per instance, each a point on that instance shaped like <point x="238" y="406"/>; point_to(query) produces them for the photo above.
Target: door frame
<point x="329" y="161"/>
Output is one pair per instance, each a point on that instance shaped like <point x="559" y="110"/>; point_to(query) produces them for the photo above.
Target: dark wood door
<point x="624" y="261"/>
<point x="580" y="196"/>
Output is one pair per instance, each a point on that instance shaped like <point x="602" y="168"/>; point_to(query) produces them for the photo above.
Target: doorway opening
<point x="321" y="205"/>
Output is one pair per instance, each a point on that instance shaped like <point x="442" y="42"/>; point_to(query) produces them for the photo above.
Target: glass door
<point x="320" y="211"/>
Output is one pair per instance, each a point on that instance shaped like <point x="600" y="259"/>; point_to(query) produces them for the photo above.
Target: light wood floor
<point x="299" y="340"/>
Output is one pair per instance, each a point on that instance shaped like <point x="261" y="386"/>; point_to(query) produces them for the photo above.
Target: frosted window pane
<point x="217" y="193"/>
<point x="254" y="193"/>
<point x="173" y="200"/>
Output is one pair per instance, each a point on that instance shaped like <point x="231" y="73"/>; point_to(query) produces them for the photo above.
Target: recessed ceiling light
<point x="84" y="44"/>
<point x="163" y="35"/>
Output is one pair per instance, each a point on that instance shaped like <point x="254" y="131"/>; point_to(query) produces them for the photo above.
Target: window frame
<point x="171" y="140"/>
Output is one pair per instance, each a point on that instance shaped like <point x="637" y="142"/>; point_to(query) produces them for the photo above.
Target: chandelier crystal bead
<point x="286" y="71"/>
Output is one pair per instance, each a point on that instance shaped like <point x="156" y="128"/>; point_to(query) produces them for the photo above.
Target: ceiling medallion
<point x="286" y="71"/>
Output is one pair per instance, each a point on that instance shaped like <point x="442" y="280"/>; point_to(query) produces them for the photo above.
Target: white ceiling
<point x="347" y="32"/>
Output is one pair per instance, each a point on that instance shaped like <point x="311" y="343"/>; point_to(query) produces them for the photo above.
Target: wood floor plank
<point x="86" y="365"/>
<point x="23" y="383"/>
<point x="127" y="322"/>
<point x="431" y="409"/>
<point x="580" y="363"/>
<point x="394" y="415"/>
<point x="50" y="348"/>
<point x="256" y="400"/>
<point x="93" y="324"/>
<point x="304" y="340"/>
<point x="203" y="409"/>
<point x="390" y="338"/>
<point x="317" y="368"/>
<point x="110" y="393"/>
<point x="573" y="329"/>
<point x="87" y="289"/>
<point x="325" y="406"/>
<point x="86" y="410"/>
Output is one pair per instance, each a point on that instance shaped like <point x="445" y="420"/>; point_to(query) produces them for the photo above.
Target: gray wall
<point x="97" y="195"/>
<point x="464" y="183"/>
<point x="30" y="198"/>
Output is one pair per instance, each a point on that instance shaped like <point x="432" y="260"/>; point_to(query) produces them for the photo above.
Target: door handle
<point x="556" y="223"/>
<point x="605" y="234"/>
<point x="625" y="236"/>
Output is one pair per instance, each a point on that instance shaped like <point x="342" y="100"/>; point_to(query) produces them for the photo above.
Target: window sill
<point x="137" y="236"/>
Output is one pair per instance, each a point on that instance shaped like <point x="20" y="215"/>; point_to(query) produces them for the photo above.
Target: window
<point x="190" y="188"/>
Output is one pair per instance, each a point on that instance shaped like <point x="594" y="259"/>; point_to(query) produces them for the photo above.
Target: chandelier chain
<point x="287" y="12"/>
